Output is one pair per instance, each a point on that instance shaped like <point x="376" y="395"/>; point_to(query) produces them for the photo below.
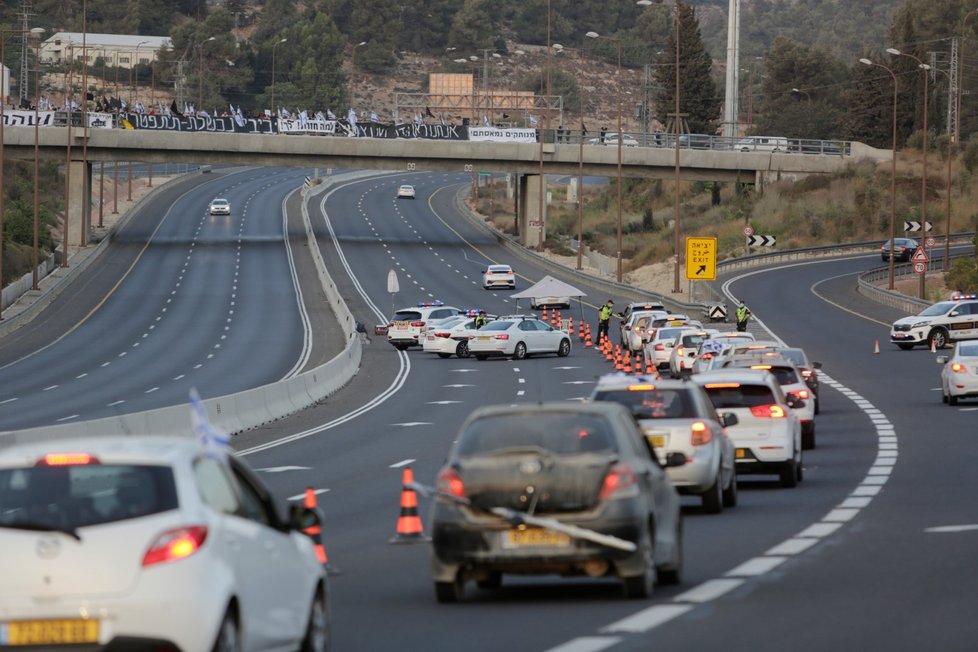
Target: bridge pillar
<point x="79" y="204"/>
<point x="533" y="225"/>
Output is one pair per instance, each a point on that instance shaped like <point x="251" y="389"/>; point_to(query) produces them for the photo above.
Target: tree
<point x="472" y="26"/>
<point x="869" y="98"/>
<point x="561" y="84"/>
<point x="308" y="71"/>
<point x="698" y="95"/>
<point x="377" y="22"/>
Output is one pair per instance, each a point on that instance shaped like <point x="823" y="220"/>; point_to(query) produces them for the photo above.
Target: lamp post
<point x="799" y="91"/>
<point x="35" y="255"/>
<point x="867" y="62"/>
<point x="132" y="66"/>
<point x="353" y="64"/>
<point x="274" y="47"/>
<point x="200" y="71"/>
<point x="924" y="68"/>
<point x="620" y="138"/>
<point x="947" y="225"/>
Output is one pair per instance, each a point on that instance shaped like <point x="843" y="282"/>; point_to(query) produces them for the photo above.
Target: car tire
<point x="808" y="436"/>
<point x="227" y="635"/>
<point x="730" y="493"/>
<point x="520" y="351"/>
<point x="481" y="356"/>
<point x="444" y="355"/>
<point x="564" y="349"/>
<point x="450" y="592"/>
<point x="674" y="574"/>
<point x="937" y="338"/>
<point x="317" y="637"/>
<point x="713" y="497"/>
<point x="943" y="396"/>
<point x="952" y="399"/>
<point x="905" y="347"/>
<point x="642" y="586"/>
<point x="462" y="350"/>
<point x="493" y="581"/>
<point x="789" y="474"/>
<point x="816" y="405"/>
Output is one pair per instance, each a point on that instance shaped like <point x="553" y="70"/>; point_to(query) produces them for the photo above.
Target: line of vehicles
<point x="773" y="144"/>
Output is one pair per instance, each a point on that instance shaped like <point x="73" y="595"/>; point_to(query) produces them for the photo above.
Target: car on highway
<point x="716" y="348"/>
<point x="498" y="276"/>
<point x="683" y="354"/>
<point x="807" y="367"/>
<point x="767" y="435"/>
<point x="939" y="324"/>
<point x="959" y="377"/>
<point x="450" y="337"/>
<point x="762" y="144"/>
<point x="677" y="417"/>
<point x="904" y="248"/>
<point x="635" y="306"/>
<point x="637" y="328"/>
<point x="405" y="191"/>
<point x="408" y="326"/>
<point x="537" y="303"/>
<point x="219" y="207"/>
<point x="572" y="489"/>
<point x="658" y="348"/>
<point x="156" y="543"/>
<point x="518" y="337"/>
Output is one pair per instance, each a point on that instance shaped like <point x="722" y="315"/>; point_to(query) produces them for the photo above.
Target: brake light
<point x="417" y="323"/>
<point x="958" y="367"/>
<point x="721" y="385"/>
<point x="707" y="356"/>
<point x="66" y="459"/>
<point x="640" y="388"/>
<point x="772" y="411"/>
<point x="619" y="479"/>
<point x="660" y="347"/>
<point x="701" y="434"/>
<point x="174" y="545"/>
<point x="441" y="334"/>
<point x="502" y="336"/>
<point x="680" y="351"/>
<point x="801" y="393"/>
<point x="449" y="483"/>
<point x="806" y="373"/>
<point x="760" y="366"/>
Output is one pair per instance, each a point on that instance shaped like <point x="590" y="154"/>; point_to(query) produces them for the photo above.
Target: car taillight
<point x="660" y="347"/>
<point x="442" y="334"/>
<point x="806" y="373"/>
<point x="701" y="434"/>
<point x="502" y="336"/>
<point x="174" y="545"/>
<point x="66" y="459"/>
<point x="449" y="483"/>
<point x="619" y="478"/>
<point x="706" y="356"/>
<point x="417" y="323"/>
<point x="803" y="394"/>
<point x="958" y="367"/>
<point x="680" y="351"/>
<point x="772" y="411"/>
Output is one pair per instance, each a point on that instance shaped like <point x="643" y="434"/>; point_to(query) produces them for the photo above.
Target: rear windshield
<point x="497" y="326"/>
<point x="692" y="340"/>
<point x="785" y="375"/>
<point x="70" y="497"/>
<point x="795" y="355"/>
<point x="741" y="396"/>
<point x="406" y="315"/>
<point x="652" y="403"/>
<point x="558" y="433"/>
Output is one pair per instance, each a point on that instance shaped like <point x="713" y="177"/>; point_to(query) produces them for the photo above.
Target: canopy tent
<point x="549" y="286"/>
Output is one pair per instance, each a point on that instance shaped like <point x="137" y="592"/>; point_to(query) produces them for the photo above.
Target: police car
<point x="939" y="324"/>
<point x="408" y="325"/>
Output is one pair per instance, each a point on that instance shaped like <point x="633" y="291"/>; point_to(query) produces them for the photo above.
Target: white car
<point x="518" y="337"/>
<point x="405" y="192"/>
<point x="408" y="325"/>
<point x="659" y="347"/>
<point x="717" y="347"/>
<point x="678" y="416"/>
<point x="637" y="328"/>
<point x="219" y="207"/>
<point x="767" y="435"/>
<point x="142" y="542"/>
<point x="611" y="138"/>
<point x="959" y="377"/>
<point x="939" y="324"/>
<point x="683" y="354"/>
<point x="498" y="276"/>
<point x="551" y="302"/>
<point x="450" y="337"/>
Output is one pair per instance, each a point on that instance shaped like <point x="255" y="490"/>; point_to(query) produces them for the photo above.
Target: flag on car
<point x="215" y="441"/>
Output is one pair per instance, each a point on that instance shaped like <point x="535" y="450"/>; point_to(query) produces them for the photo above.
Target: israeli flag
<point x="374" y="117"/>
<point x="533" y="120"/>
<point x="330" y="114"/>
<point x="216" y="442"/>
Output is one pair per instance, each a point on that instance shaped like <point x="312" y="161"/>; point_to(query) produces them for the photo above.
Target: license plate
<point x="49" y="632"/>
<point x="899" y="336"/>
<point x="402" y="324"/>
<point x="659" y="441"/>
<point x="484" y="338"/>
<point x="740" y="453"/>
<point x="519" y="538"/>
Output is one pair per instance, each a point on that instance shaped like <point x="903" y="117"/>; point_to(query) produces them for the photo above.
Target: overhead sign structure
<point x="920" y="256"/>
<point x="913" y="227"/>
<point x="761" y="241"/>
<point x="701" y="259"/>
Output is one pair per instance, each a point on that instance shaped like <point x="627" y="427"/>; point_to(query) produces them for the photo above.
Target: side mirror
<point x="953" y="313"/>
<point x="941" y="359"/>
<point x="816" y="365"/>
<point x="729" y="419"/>
<point x="302" y="518"/>
<point x="675" y="459"/>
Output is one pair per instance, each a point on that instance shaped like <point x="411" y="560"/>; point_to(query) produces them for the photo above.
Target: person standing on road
<point x="604" y="318"/>
<point x="743" y="315"/>
<point x="480" y="319"/>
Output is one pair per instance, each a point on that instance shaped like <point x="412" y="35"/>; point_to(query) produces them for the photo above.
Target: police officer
<point x="604" y="318"/>
<point x="480" y="319"/>
<point x="743" y="314"/>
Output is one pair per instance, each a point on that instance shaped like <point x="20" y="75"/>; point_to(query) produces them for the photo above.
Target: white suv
<point x="408" y="325"/>
<point x="938" y="325"/>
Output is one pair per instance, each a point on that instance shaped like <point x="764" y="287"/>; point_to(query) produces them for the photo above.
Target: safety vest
<point x="742" y="313"/>
<point x="605" y="313"/>
<point x="480" y="321"/>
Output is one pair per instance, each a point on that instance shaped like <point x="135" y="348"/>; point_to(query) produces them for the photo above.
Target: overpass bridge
<point x="531" y="162"/>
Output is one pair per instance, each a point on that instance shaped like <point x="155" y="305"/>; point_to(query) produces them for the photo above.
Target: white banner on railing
<point x="101" y="120"/>
<point x="290" y="126"/>
<point x="503" y="135"/>
<point x="18" y="118"/>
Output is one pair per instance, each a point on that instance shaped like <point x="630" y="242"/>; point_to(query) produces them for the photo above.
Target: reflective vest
<point x="605" y="313"/>
<point x="480" y="321"/>
<point x="742" y="313"/>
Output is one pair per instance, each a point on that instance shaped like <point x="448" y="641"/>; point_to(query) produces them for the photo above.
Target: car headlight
<point x="920" y="323"/>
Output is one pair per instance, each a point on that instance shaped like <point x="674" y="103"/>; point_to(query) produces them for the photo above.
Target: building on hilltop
<point x="117" y="50"/>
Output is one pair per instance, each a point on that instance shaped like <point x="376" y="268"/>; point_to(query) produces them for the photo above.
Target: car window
<point x="968" y="349"/>
<point x="652" y="403"/>
<point x="558" y="433"/>
<point x="692" y="340"/>
<point x="739" y="396"/>
<point x="497" y="326"/>
<point x="785" y="375"/>
<point x="527" y="326"/>
<point x="215" y="486"/>
<point x="540" y="326"/>
<point x="253" y="506"/>
<point x="406" y="315"/>
<point x="796" y="356"/>
<point x="82" y="495"/>
<point x="937" y="309"/>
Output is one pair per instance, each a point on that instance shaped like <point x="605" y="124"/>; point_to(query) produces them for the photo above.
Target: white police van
<point x="938" y="325"/>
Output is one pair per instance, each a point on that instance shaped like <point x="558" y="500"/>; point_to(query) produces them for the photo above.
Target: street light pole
<point x="867" y="62"/>
<point x="274" y="46"/>
<point x="35" y="256"/>
<point x="353" y="65"/>
<point x="200" y="72"/>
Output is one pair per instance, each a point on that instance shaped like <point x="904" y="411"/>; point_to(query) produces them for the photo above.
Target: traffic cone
<point x="570" y="329"/>
<point x="627" y="368"/>
<point x="409" y="528"/>
<point x="650" y="368"/>
<point x="587" y="337"/>
<point x="877" y="348"/>
<point x="580" y="330"/>
<point x="315" y="532"/>
<point x="546" y="315"/>
<point x="933" y="347"/>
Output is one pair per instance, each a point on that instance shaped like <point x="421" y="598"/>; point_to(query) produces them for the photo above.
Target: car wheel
<point x="480" y="356"/>
<point x="730" y="493"/>
<point x="808" y="436"/>
<point x="520" y="351"/>
<point x="937" y="338"/>
<point x="564" y="349"/>
<point x="462" y="350"/>
<point x="317" y="631"/>
<point x="952" y="399"/>
<point x="905" y="347"/>
<point x="444" y="355"/>
<point x="641" y="586"/>
<point x="789" y="474"/>
<point x="448" y="592"/>
<point x="816" y="405"/>
<point x="713" y="497"/>
<point x="674" y="574"/>
<point x="493" y="581"/>
<point x="227" y="635"/>
<point x="943" y="396"/>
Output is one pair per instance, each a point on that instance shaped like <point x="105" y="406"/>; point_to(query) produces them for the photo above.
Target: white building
<point x="117" y="50"/>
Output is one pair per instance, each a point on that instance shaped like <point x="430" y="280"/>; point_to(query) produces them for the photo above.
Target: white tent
<point x="549" y="286"/>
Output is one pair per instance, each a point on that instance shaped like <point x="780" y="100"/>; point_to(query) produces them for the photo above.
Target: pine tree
<point x="869" y="99"/>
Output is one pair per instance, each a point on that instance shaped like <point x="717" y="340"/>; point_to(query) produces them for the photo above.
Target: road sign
<point x="748" y="230"/>
<point x="718" y="312"/>
<point x="930" y="243"/>
<point x="920" y="256"/>
<point x="913" y="227"/>
<point x="701" y="259"/>
<point x="920" y="268"/>
<point x="761" y="240"/>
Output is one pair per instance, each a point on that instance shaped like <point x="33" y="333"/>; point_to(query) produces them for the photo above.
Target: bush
<point x="963" y="275"/>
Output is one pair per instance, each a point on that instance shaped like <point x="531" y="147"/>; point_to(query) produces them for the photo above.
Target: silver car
<point x="959" y="377"/>
<point x="518" y="337"/>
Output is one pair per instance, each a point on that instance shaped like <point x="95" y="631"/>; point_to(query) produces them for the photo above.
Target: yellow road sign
<point x="701" y="259"/>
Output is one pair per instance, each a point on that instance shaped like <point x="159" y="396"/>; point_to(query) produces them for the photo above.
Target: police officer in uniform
<point x="743" y="314"/>
<point x="480" y="319"/>
<point x="604" y="318"/>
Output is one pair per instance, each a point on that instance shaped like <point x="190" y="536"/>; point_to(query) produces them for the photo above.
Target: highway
<point x="848" y="560"/>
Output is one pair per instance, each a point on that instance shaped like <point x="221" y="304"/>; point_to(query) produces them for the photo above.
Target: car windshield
<point x="968" y="350"/>
<point x="668" y="333"/>
<point x="651" y="403"/>
<point x="496" y="269"/>
<point x="785" y="375"/>
<point x="219" y="201"/>
<point x="739" y="395"/>
<point x="559" y="433"/>
<point x="937" y="309"/>
<point x="71" y="497"/>
<point x="692" y="340"/>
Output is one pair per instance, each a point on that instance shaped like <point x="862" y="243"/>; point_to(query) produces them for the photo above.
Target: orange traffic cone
<point x="877" y="348"/>
<point x="315" y="532"/>
<point x="545" y="316"/>
<point x="627" y="368"/>
<point x="570" y="329"/>
<point x="933" y="347"/>
<point x="587" y="337"/>
<point x="409" y="523"/>
<point x="650" y="369"/>
<point x="580" y="330"/>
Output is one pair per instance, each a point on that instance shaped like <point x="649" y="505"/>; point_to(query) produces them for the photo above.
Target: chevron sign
<point x="913" y="227"/>
<point x="761" y="241"/>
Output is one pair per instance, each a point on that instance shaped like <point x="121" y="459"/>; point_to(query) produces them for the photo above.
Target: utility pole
<point x="180" y="85"/>
<point x="24" y="80"/>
